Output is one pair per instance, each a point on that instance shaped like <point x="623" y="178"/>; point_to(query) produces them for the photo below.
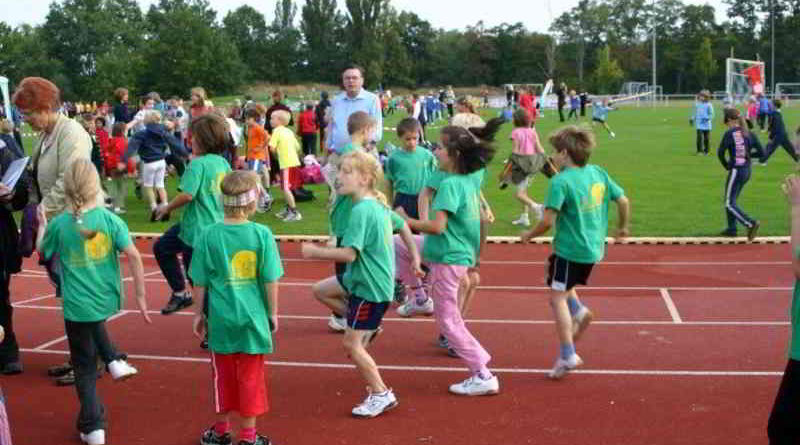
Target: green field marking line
<point x="648" y="240"/>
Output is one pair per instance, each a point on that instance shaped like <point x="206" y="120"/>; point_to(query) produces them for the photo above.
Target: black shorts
<point x="563" y="275"/>
<point x="363" y="315"/>
<point x="594" y="119"/>
<point x="408" y="203"/>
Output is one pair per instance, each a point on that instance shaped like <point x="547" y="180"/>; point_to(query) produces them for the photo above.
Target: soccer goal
<point x="787" y="92"/>
<point x="743" y="78"/>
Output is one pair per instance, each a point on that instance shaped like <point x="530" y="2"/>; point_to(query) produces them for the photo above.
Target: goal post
<point x="743" y="78"/>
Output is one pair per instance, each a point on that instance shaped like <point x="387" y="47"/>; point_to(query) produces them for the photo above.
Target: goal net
<point x="743" y="78"/>
<point x="787" y="92"/>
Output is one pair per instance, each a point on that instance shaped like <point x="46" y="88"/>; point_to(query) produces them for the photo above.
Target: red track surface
<point x="705" y="374"/>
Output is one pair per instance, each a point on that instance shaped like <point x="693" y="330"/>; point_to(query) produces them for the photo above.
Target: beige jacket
<point x="52" y="155"/>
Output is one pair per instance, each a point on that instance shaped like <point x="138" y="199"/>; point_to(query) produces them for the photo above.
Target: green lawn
<point x="672" y="191"/>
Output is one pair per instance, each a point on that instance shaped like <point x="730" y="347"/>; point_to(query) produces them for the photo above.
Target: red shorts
<point x="239" y="384"/>
<point x="291" y="178"/>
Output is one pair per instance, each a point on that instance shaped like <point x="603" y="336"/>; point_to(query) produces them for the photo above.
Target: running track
<point x="688" y="348"/>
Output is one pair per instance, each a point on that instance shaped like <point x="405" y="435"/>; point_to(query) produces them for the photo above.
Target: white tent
<point x="6" y="101"/>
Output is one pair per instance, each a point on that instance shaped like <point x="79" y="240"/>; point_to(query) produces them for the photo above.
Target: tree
<point x="173" y="63"/>
<point x="80" y="33"/>
<point x="284" y="48"/>
<point x="398" y="67"/>
<point x="322" y="26"/>
<point x="607" y="72"/>
<point x="417" y="36"/>
<point x="247" y="29"/>
<point x="704" y="64"/>
<point x="366" y="48"/>
<point x="23" y="53"/>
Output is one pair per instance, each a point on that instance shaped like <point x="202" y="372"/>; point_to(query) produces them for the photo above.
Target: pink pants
<point x="445" y="279"/>
<point x="402" y="259"/>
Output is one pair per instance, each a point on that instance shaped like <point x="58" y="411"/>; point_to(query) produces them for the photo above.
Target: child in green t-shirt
<point x="237" y="266"/>
<point x="408" y="170"/>
<point x="360" y="126"/>
<point x="87" y="240"/>
<point x="782" y="427"/>
<point x="200" y="194"/>
<point x="452" y="243"/>
<point x="368" y="250"/>
<point x="577" y="203"/>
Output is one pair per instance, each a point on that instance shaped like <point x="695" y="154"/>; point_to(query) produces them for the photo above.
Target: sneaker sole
<point x="491" y="392"/>
<point x="582" y="325"/>
<point x="123" y="378"/>
<point x="183" y="305"/>
<point x="371" y="416"/>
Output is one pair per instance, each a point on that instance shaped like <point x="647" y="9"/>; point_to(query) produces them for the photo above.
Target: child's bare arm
<point x="199" y="322"/>
<point x="543" y="227"/>
<point x="434" y="226"/>
<point x="424" y="202"/>
<point x="271" y="290"/>
<point x="408" y="240"/>
<point x="623" y="216"/>
<point x="137" y="272"/>
<point x="338" y="254"/>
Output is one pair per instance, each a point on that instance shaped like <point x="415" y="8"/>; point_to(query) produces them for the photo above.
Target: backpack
<point x="302" y="195"/>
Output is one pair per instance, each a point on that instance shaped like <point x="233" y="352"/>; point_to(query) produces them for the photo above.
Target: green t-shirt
<point x="233" y="261"/>
<point x="348" y="148"/>
<point x="369" y="232"/>
<point x="581" y="195"/>
<point x="478" y="177"/>
<point x="408" y="171"/>
<point x="90" y="278"/>
<point x="340" y="214"/>
<point x="202" y="179"/>
<point x="458" y="244"/>
<point x="794" y="342"/>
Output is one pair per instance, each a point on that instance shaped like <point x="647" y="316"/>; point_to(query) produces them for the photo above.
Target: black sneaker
<point x="210" y="437"/>
<point x="59" y="370"/>
<point x="138" y="192"/>
<point x="175" y="304"/>
<point x="12" y="368"/>
<point x="727" y="233"/>
<point x="753" y="231"/>
<point x="204" y="344"/>
<point x="260" y="440"/>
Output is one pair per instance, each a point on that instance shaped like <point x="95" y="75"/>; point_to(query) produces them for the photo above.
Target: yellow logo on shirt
<point x="597" y="195"/>
<point x="98" y="247"/>
<point x="216" y="186"/>
<point x="243" y="265"/>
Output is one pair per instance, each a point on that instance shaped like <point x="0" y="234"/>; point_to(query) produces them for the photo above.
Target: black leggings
<point x="702" y="140"/>
<point x="783" y="427"/>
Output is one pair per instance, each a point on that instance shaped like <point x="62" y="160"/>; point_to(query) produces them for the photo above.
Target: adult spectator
<point x="199" y="107"/>
<point x="450" y="100"/>
<point x="353" y="98"/>
<point x="466" y="117"/>
<point x="509" y="95"/>
<point x="277" y="104"/>
<point x="10" y="257"/>
<point x="561" y="93"/>
<point x="322" y="113"/>
<point x="120" y="109"/>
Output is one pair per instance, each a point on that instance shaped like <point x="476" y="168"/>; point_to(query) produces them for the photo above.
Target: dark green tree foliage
<point x="185" y="47"/>
<point x="23" y="53"/>
<point x="366" y="48"/>
<point x="283" y="54"/>
<point x="417" y="36"/>
<point x="247" y="29"/>
<point x="322" y="26"/>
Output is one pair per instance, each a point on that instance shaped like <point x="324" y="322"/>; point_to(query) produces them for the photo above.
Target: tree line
<point x="90" y="47"/>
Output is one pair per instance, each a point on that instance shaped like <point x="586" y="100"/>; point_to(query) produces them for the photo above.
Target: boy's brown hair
<point x="211" y="133"/>
<point x="118" y="130"/>
<point x="119" y="93"/>
<point x="359" y="121"/>
<point x="407" y="125"/>
<point x="521" y="118"/>
<point x="252" y="113"/>
<point x="578" y="142"/>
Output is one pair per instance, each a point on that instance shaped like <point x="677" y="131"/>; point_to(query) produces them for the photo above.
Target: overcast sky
<point x="535" y="14"/>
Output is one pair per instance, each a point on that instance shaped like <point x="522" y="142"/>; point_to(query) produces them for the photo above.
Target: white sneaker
<point x="523" y="220"/>
<point x="121" y="370"/>
<point x="613" y="135"/>
<point x="538" y="210"/>
<point x="96" y="437"/>
<point x="293" y="216"/>
<point x="476" y="386"/>
<point x="283" y="213"/>
<point x="412" y="308"/>
<point x="376" y="404"/>
<point x="338" y="324"/>
<point x="563" y="366"/>
<point x="581" y="321"/>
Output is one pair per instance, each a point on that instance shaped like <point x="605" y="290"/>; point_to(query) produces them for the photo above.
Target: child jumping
<point x="367" y="249"/>
<point x="87" y="240"/>
<point x="200" y="194"/>
<point x="734" y="155"/>
<point x="600" y="111"/>
<point x="236" y="265"/>
<point x="526" y="159"/>
<point x="778" y="135"/>
<point x="452" y="243"/>
<point x="577" y="204"/>
<point x="284" y="144"/>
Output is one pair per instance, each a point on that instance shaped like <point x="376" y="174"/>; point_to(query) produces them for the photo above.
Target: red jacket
<point x="102" y="138"/>
<point x="306" y="122"/>
<point x="114" y="152"/>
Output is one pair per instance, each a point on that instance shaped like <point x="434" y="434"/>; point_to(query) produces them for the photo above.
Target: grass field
<point x="672" y="191"/>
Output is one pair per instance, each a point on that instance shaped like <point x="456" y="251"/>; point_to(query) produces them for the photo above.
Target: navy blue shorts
<point x="363" y="315"/>
<point x="408" y="203"/>
<point x="340" y="268"/>
<point x="563" y="274"/>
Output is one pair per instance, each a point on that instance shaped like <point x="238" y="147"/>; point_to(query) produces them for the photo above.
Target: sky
<point x="536" y="15"/>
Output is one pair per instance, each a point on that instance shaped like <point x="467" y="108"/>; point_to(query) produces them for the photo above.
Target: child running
<point x="360" y="126"/>
<point x="577" y="204"/>
<point x="284" y="144"/>
<point x="778" y="135"/>
<point x="237" y="266"/>
<point x="368" y="250"/>
<point x="734" y="155"/>
<point x="116" y="167"/>
<point x="600" y="111"/>
<point x="526" y="159"/>
<point x="783" y="428"/>
<point x="87" y="240"/>
<point x="452" y="244"/>
<point x="200" y="194"/>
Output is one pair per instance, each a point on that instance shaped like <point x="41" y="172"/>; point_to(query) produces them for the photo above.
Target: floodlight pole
<point x="772" y="47"/>
<point x="653" y="86"/>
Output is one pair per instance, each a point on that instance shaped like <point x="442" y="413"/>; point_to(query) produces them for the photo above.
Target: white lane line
<point x="484" y="320"/>
<point x="673" y="311"/>
<point x="42" y="347"/>
<point x="291" y="364"/>
<point x="32" y="300"/>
